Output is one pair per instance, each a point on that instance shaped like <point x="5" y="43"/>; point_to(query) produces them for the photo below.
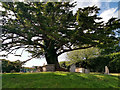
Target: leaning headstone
<point x="106" y="70"/>
<point x="72" y="68"/>
<point x="87" y="71"/>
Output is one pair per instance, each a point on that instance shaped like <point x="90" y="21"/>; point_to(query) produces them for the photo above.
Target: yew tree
<point x="50" y="29"/>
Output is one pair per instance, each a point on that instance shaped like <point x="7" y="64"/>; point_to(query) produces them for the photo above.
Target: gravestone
<point x="72" y="68"/>
<point x="87" y="71"/>
<point x="106" y="70"/>
<point x="49" y="67"/>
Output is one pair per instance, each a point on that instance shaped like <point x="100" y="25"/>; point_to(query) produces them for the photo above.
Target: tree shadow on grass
<point x="58" y="80"/>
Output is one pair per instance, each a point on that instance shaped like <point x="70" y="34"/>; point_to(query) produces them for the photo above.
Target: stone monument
<point x="49" y="67"/>
<point x="87" y="71"/>
<point x="72" y="68"/>
<point x="106" y="70"/>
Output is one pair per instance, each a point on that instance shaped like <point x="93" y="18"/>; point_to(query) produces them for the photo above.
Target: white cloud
<point x="97" y="0"/>
<point x="82" y="4"/>
<point x="109" y="13"/>
<point x="25" y="56"/>
<point x="35" y="62"/>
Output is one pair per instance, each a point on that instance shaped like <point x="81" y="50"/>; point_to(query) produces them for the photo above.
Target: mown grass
<point x="59" y="80"/>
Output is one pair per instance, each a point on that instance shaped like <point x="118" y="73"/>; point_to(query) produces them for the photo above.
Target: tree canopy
<point x="83" y="55"/>
<point x="50" y="29"/>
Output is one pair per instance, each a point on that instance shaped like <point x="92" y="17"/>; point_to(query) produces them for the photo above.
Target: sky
<point x="109" y="8"/>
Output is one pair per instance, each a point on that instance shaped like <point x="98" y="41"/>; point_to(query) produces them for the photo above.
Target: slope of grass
<point x="59" y="80"/>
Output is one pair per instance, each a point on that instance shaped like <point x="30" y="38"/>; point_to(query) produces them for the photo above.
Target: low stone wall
<point x="49" y="67"/>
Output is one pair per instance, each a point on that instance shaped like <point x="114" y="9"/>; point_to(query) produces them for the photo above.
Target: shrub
<point x="99" y="63"/>
<point x="8" y="66"/>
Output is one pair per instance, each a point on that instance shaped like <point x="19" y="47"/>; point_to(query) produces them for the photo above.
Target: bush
<point x="8" y="66"/>
<point x="99" y="63"/>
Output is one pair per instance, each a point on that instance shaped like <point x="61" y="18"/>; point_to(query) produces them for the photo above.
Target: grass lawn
<point x="59" y="80"/>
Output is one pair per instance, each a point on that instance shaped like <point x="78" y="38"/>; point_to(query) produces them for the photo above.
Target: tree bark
<point x="50" y="53"/>
<point x="52" y="58"/>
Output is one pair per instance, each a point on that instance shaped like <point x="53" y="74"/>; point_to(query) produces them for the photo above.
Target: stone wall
<point x="49" y="67"/>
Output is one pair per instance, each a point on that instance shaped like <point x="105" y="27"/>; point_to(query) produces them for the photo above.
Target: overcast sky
<point x="109" y="8"/>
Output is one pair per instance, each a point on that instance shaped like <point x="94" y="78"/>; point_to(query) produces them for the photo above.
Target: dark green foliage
<point x="109" y="50"/>
<point x="111" y="60"/>
<point x="50" y="29"/>
<point x="97" y="64"/>
<point x="8" y="66"/>
<point x="67" y="63"/>
<point x="63" y="64"/>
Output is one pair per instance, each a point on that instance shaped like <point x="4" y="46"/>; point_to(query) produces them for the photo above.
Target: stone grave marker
<point x="49" y="67"/>
<point x="72" y="68"/>
<point x="87" y="71"/>
<point x="106" y="70"/>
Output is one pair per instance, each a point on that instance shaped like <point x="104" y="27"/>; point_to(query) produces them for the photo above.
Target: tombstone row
<point x="51" y="68"/>
<point x="45" y="68"/>
<point x="81" y="70"/>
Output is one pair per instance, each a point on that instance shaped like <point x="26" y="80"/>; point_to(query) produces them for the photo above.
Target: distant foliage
<point x="111" y="60"/>
<point x="109" y="50"/>
<point x="65" y="64"/>
<point x="97" y="64"/>
<point x="85" y="54"/>
<point x="8" y="66"/>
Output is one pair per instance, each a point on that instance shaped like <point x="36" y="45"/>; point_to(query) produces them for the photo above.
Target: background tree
<point x="111" y="60"/>
<point x="110" y="50"/>
<point x="8" y="66"/>
<point x="80" y="57"/>
<point x="50" y="29"/>
<point x="63" y="64"/>
<point x="85" y="54"/>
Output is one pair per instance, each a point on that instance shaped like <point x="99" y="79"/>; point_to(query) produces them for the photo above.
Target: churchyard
<point x="48" y="30"/>
<point x="51" y="68"/>
<point x="59" y="80"/>
<point x="75" y="77"/>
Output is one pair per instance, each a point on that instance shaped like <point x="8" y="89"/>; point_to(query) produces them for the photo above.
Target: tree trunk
<point x="52" y="58"/>
<point x="50" y="53"/>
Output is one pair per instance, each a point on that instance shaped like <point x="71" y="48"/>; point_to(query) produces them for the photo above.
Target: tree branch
<point x="74" y="49"/>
